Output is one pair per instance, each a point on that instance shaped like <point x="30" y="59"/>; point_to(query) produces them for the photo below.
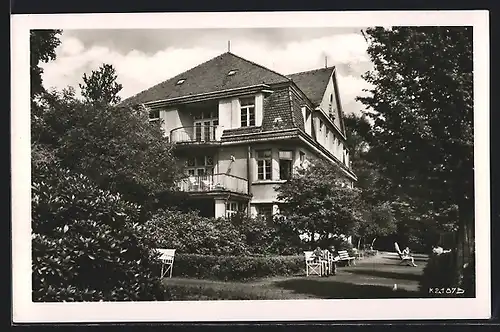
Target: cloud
<point x="138" y="69"/>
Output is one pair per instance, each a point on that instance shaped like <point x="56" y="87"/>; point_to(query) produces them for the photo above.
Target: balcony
<point x="200" y="134"/>
<point x="214" y="183"/>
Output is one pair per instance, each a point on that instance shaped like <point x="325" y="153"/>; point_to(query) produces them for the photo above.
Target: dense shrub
<point x="190" y="233"/>
<point x="264" y="236"/>
<point x="441" y="272"/>
<point x="236" y="267"/>
<point x="85" y="244"/>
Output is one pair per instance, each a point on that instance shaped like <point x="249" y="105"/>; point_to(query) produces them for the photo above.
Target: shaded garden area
<point x="370" y="278"/>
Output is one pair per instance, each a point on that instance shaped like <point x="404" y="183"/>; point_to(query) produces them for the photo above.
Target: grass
<point x="371" y="278"/>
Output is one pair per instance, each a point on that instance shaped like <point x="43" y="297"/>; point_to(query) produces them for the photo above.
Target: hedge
<point x="233" y="268"/>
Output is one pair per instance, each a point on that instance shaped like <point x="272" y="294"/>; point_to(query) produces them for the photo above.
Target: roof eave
<point x="264" y="88"/>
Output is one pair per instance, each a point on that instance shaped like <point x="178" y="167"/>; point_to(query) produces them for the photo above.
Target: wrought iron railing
<point x="214" y="182"/>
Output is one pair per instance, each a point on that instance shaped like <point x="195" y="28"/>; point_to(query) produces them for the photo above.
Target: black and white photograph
<point x="264" y="166"/>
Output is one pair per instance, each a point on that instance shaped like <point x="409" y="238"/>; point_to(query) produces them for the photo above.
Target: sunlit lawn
<point x="372" y="277"/>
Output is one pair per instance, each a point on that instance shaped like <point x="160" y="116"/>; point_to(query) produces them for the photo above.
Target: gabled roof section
<point x="210" y="76"/>
<point x="313" y="83"/>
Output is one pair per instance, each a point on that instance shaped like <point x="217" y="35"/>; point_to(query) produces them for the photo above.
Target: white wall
<point x="325" y="102"/>
<point x="230" y="112"/>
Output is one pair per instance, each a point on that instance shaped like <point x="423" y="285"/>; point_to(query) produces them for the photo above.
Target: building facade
<point x="241" y="129"/>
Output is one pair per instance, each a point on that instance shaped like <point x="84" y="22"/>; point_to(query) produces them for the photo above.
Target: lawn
<point x="371" y="277"/>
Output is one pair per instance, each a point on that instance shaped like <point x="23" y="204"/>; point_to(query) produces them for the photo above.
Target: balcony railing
<point x="213" y="183"/>
<point x="196" y="134"/>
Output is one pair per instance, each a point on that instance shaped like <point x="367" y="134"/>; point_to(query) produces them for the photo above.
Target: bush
<point x="190" y="233"/>
<point x="85" y="244"/>
<point x="441" y="272"/>
<point x="235" y="268"/>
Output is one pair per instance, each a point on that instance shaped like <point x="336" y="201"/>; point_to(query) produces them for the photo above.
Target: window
<point x="247" y="107"/>
<point x="204" y="125"/>
<point x="179" y="82"/>
<point x="286" y="158"/>
<point x="232" y="72"/>
<point x="264" y="161"/>
<point x="266" y="211"/>
<point x="200" y="165"/>
<point x="302" y="157"/>
<point x="320" y="126"/>
<point x="154" y="115"/>
<point x="233" y="208"/>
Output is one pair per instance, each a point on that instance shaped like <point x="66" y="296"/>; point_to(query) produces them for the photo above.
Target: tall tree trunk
<point x="466" y="234"/>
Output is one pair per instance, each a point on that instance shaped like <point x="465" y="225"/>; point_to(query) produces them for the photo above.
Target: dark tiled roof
<point x="277" y="105"/>
<point x="241" y="131"/>
<point x="210" y="76"/>
<point x="313" y="83"/>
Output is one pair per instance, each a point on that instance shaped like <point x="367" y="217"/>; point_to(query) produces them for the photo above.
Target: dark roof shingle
<point x="313" y="83"/>
<point x="210" y="76"/>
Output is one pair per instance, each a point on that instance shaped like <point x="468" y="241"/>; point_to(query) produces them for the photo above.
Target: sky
<point x="145" y="57"/>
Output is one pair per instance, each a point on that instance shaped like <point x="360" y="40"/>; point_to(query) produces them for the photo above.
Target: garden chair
<point x="358" y="254"/>
<point x="330" y="259"/>
<point x="404" y="259"/>
<point x="313" y="266"/>
<point x="344" y="257"/>
<point x="167" y="261"/>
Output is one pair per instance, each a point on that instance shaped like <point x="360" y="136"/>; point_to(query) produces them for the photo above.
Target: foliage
<point x="85" y="242"/>
<point x="101" y="86"/>
<point x="191" y="233"/>
<point x="264" y="236"/>
<point x="316" y="200"/>
<point x="43" y="44"/>
<point x="117" y="148"/>
<point x="421" y="105"/>
<point x="239" y="267"/>
<point x="441" y="272"/>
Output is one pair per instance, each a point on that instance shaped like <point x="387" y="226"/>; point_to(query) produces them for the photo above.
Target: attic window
<point x="179" y="82"/>
<point x="232" y="72"/>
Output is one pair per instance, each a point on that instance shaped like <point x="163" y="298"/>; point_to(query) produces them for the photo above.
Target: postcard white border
<point x="25" y="311"/>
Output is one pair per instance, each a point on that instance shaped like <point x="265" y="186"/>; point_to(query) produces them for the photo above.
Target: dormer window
<point x="232" y="72"/>
<point x="179" y="82"/>
<point x="247" y="108"/>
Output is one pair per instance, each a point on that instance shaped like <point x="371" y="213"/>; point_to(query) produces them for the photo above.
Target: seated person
<point x="318" y="254"/>
<point x="407" y="256"/>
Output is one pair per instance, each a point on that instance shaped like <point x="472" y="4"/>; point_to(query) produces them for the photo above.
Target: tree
<point x="421" y="105"/>
<point x="43" y="44"/>
<point x="317" y="201"/>
<point x="101" y="86"/>
<point x="119" y="149"/>
<point x="378" y="199"/>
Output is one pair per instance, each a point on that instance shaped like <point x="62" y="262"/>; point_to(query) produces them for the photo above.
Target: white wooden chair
<point x="167" y="261"/>
<point x="313" y="266"/>
<point x="344" y="257"/>
<point x="330" y="259"/>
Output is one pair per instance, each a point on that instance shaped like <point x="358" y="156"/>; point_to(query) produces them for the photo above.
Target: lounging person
<point x="407" y="256"/>
<point x="438" y="250"/>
